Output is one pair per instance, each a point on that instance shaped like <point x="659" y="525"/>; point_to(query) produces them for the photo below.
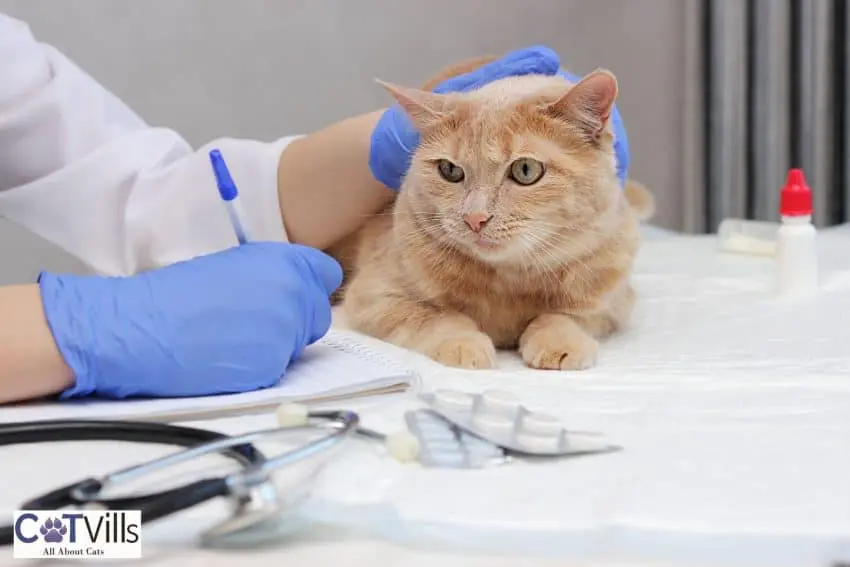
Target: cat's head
<point x="522" y="168"/>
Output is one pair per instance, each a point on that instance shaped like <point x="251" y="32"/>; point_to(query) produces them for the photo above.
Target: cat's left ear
<point x="589" y="102"/>
<point x="424" y="108"/>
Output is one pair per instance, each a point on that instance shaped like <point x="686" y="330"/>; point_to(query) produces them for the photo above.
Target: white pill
<point x="453" y="400"/>
<point x="541" y="424"/>
<point x="539" y="443"/>
<point x="292" y="415"/>
<point x="403" y="447"/>
<point x="494" y="424"/>
<point x="500" y="401"/>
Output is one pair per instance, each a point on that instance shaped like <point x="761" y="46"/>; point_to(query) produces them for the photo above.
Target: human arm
<point x="80" y="169"/>
<point x="31" y="365"/>
<point x="326" y="188"/>
<point x="167" y="332"/>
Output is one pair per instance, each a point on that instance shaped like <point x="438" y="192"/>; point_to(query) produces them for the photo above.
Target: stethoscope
<point x="251" y="490"/>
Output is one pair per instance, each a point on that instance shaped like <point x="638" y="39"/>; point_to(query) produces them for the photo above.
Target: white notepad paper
<point x="338" y="367"/>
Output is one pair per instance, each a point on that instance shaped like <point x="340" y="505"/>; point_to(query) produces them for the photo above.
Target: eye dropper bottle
<point x="796" y="245"/>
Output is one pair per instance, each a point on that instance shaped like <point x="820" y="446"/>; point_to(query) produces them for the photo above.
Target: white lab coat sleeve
<point x="81" y="170"/>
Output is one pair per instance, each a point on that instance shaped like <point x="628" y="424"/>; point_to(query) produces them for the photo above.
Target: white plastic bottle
<point x="796" y="239"/>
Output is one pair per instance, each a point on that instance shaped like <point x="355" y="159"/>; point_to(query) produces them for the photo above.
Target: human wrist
<point x="31" y="365"/>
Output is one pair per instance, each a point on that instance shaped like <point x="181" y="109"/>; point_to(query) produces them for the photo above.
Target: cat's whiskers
<point x="556" y="234"/>
<point x="546" y="276"/>
<point x="527" y="259"/>
<point x="567" y="227"/>
<point x="547" y="270"/>
<point x="581" y="249"/>
<point x="431" y="230"/>
<point x="414" y="237"/>
<point x="551" y="240"/>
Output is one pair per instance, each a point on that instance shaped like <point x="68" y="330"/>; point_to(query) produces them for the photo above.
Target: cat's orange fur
<point x="553" y="275"/>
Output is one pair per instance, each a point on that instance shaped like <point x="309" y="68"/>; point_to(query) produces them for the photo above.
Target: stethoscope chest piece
<point x="250" y="513"/>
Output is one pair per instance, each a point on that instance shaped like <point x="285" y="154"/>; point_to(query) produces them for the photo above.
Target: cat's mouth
<point x="488" y="249"/>
<point x="485" y="243"/>
<point x="482" y="244"/>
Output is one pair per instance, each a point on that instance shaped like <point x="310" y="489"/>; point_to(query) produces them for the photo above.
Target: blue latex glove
<point x="395" y="138"/>
<point x="228" y="322"/>
<point x="621" y="141"/>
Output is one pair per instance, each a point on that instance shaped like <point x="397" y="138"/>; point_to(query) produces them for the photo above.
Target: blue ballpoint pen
<point x="230" y="195"/>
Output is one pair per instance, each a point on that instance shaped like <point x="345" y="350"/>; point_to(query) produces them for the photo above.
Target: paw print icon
<point x="53" y="530"/>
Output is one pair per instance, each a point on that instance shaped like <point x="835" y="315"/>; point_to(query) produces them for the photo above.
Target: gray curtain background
<point x="719" y="97"/>
<point x="777" y="81"/>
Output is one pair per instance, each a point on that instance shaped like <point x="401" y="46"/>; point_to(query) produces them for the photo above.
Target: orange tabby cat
<point x="510" y="230"/>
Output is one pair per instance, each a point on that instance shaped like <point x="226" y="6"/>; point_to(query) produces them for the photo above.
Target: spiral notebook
<point x="338" y="367"/>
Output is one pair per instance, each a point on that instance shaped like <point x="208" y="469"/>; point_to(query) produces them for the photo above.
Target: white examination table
<point x="733" y="409"/>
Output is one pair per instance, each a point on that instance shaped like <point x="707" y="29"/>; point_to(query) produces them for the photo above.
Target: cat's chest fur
<point x="501" y="305"/>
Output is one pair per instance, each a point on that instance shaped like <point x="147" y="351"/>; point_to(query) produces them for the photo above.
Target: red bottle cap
<point x="796" y="197"/>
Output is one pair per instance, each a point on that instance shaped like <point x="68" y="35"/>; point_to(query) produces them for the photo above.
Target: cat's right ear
<point x="424" y="108"/>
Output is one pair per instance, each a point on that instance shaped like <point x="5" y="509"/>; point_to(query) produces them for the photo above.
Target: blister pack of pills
<point x="443" y="444"/>
<point x="499" y="417"/>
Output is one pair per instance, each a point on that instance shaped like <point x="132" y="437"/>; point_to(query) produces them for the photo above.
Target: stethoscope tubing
<point x="153" y="506"/>
<point x="342" y="423"/>
<point x="255" y="471"/>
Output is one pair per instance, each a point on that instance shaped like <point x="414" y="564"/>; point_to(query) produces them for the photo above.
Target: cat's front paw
<point x="469" y="350"/>
<point x="560" y="348"/>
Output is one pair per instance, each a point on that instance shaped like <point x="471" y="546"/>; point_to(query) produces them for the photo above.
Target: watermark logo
<point x="89" y="534"/>
<point x="53" y="530"/>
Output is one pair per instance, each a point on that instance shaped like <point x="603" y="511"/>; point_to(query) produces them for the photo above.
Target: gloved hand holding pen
<point x="228" y="322"/>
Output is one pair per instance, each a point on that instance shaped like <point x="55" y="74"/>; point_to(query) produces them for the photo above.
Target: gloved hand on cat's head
<point x="395" y="138"/>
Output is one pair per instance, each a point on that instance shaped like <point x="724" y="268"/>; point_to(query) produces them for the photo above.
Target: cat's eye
<point x="526" y="171"/>
<point x="449" y="171"/>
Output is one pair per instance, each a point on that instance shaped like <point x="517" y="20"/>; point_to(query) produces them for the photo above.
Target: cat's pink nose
<point x="476" y="221"/>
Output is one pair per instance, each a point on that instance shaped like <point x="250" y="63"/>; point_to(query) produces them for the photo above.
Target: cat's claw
<point x="572" y="352"/>
<point x="472" y="351"/>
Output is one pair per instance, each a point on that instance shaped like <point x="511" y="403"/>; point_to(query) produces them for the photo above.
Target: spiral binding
<point x="349" y="345"/>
